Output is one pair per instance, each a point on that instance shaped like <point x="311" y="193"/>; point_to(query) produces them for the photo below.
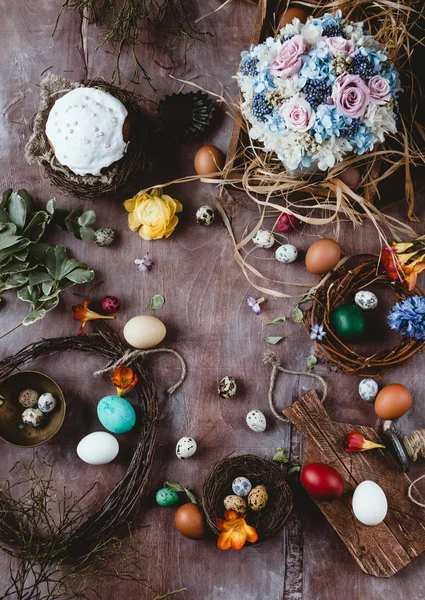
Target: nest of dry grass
<point x="218" y="485"/>
<point x="331" y="294"/>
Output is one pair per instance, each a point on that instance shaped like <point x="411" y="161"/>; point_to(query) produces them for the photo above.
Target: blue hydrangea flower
<point x="329" y="20"/>
<point x="328" y="123"/>
<point x="317" y="332"/>
<point x="376" y="57"/>
<point x="317" y="64"/>
<point x="408" y="317"/>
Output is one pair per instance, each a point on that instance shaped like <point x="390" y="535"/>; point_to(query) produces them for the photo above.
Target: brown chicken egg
<point x="322" y="256"/>
<point x="291" y="13"/>
<point x="393" y="401"/>
<point x="190" y="521"/>
<point x="351" y="177"/>
<point x="209" y="160"/>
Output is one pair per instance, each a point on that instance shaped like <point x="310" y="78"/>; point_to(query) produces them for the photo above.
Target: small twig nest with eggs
<point x="90" y="136"/>
<point x="218" y="485"/>
<point x="331" y="296"/>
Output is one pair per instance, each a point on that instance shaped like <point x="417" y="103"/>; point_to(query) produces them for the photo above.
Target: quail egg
<point x="236" y="503"/>
<point x="227" y="387"/>
<point x="286" y="253"/>
<point x="263" y="239"/>
<point x="205" y="215"/>
<point x="256" y="421"/>
<point x="28" y="398"/>
<point x="46" y="402"/>
<point x="257" y="498"/>
<point x="368" y="390"/>
<point x="186" y="447"/>
<point x="241" y="486"/>
<point x="366" y="300"/>
<point x="32" y="416"/>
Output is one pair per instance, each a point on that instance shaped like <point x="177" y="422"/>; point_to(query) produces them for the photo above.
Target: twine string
<point x="130" y="356"/>
<point x="271" y="358"/>
<point x="410" y="492"/>
<point x="415" y="444"/>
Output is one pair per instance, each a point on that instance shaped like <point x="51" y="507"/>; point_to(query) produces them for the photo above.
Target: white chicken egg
<point x="256" y="421"/>
<point x="186" y="447"/>
<point x="98" y="448"/>
<point x="370" y="504"/>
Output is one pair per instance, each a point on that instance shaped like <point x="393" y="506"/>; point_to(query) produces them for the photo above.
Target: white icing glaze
<point x="85" y="127"/>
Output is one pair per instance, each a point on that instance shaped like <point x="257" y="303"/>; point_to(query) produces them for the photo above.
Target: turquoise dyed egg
<point x="116" y="414"/>
<point x="348" y="322"/>
<point x="166" y="497"/>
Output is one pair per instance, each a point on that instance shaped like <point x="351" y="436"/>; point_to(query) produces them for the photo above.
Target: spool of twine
<point x="415" y="446"/>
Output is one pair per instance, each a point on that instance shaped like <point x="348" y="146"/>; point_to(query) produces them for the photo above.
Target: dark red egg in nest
<point x="110" y="304"/>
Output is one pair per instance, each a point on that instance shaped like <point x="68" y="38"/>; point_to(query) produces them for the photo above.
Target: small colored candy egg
<point x="166" y="497"/>
<point x="256" y="421"/>
<point x="257" y="498"/>
<point x="241" y="486"/>
<point x="186" y="447"/>
<point x="32" y="417"/>
<point x="351" y="177"/>
<point x="46" y="402"/>
<point x="366" y="300"/>
<point x="368" y="389"/>
<point x="393" y="401"/>
<point x="322" y="256"/>
<point x="236" y="503"/>
<point x="28" y="398"/>
<point x="144" y="331"/>
<point x="370" y="504"/>
<point x="205" y="216"/>
<point x="263" y="239"/>
<point x="110" y="304"/>
<point x="116" y="414"/>
<point x="348" y="322"/>
<point x="293" y="12"/>
<point x="98" y="448"/>
<point x="208" y="161"/>
<point x="227" y="387"/>
<point x="286" y="253"/>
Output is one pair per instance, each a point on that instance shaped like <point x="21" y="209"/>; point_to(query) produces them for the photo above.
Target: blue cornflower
<point x="408" y="317"/>
<point x="317" y="332"/>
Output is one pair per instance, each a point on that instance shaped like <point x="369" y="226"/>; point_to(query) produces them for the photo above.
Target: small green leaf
<point x="173" y="485"/>
<point x="51" y="206"/>
<point x="81" y="275"/>
<point x="273" y="339"/>
<point x="37" y="277"/>
<point x="276" y="320"/>
<point x="294" y="469"/>
<point x="311" y="362"/>
<point x="87" y="234"/>
<point x="157" y="302"/>
<point x="297" y="315"/>
<point x="87" y="218"/>
<point x="34" y="316"/>
<point x="6" y="195"/>
<point x="191" y="496"/>
<point x="36" y="227"/>
<point x="281" y="456"/>
<point x="26" y="198"/>
<point x="17" y="209"/>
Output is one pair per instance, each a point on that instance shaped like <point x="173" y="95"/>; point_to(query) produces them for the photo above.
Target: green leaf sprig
<point x="281" y="457"/>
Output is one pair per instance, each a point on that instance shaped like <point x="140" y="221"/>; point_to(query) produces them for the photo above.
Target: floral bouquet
<point x="318" y="92"/>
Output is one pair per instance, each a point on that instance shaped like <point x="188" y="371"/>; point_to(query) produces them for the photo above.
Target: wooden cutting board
<point x="386" y="548"/>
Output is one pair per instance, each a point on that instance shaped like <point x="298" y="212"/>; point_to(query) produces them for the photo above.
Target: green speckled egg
<point x="166" y="497"/>
<point x="116" y="414"/>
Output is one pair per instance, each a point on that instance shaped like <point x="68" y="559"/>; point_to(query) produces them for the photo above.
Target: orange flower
<point x="81" y="312"/>
<point x="404" y="261"/>
<point x="235" y="531"/>
<point x="356" y="442"/>
<point x="124" y="379"/>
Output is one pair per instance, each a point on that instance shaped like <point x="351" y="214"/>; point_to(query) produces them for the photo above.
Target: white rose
<point x="311" y="33"/>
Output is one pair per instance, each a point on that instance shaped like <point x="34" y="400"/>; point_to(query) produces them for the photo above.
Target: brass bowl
<point x="12" y="429"/>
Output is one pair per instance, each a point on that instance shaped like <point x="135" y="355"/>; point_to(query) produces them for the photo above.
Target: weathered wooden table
<point x="208" y="322"/>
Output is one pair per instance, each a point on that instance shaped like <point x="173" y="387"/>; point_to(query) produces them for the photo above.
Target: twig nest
<point x="186" y="447"/>
<point x="256" y="421"/>
<point x="205" y="215"/>
<point x="32" y="416"/>
<point x="263" y="239"/>
<point x="287" y="253"/>
<point x="259" y="472"/>
<point x="366" y="300"/>
<point x="368" y="389"/>
<point x="104" y="236"/>
<point x="227" y="387"/>
<point x="28" y="398"/>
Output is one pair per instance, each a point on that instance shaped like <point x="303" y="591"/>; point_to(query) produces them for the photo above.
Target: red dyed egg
<point x="322" y="481"/>
<point x="286" y="222"/>
<point x="110" y="304"/>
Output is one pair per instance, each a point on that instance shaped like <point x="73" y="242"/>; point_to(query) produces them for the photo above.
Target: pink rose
<point x="339" y="45"/>
<point x="298" y="114"/>
<point x="351" y="95"/>
<point x="379" y="89"/>
<point x="288" y="60"/>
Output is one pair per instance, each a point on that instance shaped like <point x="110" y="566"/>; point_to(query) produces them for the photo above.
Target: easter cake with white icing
<point x="88" y="130"/>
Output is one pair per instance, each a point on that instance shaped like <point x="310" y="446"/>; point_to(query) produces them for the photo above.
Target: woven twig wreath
<point x="120" y="176"/>
<point x="218" y="485"/>
<point x="98" y="529"/>
<point x="330" y="295"/>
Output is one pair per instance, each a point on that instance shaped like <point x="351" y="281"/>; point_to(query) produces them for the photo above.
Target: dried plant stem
<point x="168" y="594"/>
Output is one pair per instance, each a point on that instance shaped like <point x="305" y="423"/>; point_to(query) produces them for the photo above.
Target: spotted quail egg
<point x="366" y="300"/>
<point x="256" y="421"/>
<point x="286" y="253"/>
<point x="368" y="390"/>
<point x="32" y="416"/>
<point x="227" y="387"/>
<point x="205" y="215"/>
<point x="263" y="239"/>
<point x="28" y="398"/>
<point x="241" y="486"/>
<point x="104" y="236"/>
<point x="257" y="498"/>
<point x="236" y="503"/>
<point x="186" y="447"/>
<point x="46" y="402"/>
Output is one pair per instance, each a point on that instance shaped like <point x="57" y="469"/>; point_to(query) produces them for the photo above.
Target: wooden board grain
<point x="382" y="550"/>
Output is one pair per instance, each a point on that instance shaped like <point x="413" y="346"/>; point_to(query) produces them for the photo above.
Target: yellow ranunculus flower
<point x="153" y="214"/>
